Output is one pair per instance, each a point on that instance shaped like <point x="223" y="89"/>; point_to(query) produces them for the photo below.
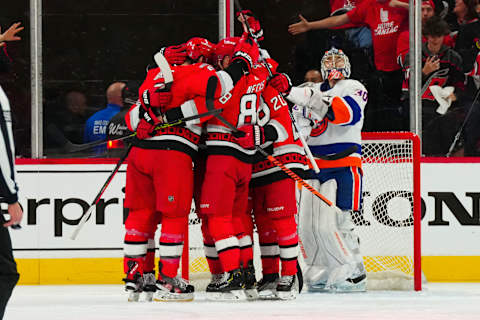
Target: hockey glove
<point x="256" y="30"/>
<point x="253" y="135"/>
<point x="175" y="54"/>
<point x="145" y="130"/>
<point x="246" y="52"/>
<point x="317" y="106"/>
<point x="281" y="82"/>
<point x="153" y="105"/>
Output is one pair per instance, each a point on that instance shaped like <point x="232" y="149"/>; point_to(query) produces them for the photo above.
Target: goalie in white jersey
<point x="330" y="116"/>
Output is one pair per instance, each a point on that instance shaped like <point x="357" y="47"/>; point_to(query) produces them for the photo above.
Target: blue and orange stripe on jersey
<point x="346" y="111"/>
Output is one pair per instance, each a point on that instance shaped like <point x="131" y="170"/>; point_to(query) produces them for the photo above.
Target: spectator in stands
<point x="442" y="88"/>
<point x="8" y="186"/>
<point x="71" y="120"/>
<point x="468" y="32"/>
<point x="96" y="125"/>
<point x="355" y="39"/>
<point x="386" y="19"/>
<point x="117" y="127"/>
<point x="313" y="75"/>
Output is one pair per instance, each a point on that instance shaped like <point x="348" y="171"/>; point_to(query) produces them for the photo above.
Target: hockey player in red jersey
<point x="159" y="175"/>
<point x="167" y="188"/>
<point x="228" y="171"/>
<point x="274" y="204"/>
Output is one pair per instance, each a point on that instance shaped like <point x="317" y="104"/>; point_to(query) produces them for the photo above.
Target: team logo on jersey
<point x="321" y="128"/>
<point x="171" y="198"/>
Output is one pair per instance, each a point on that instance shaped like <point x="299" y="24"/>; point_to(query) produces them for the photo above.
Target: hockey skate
<point x="216" y="279"/>
<point x="316" y="278"/>
<point x="230" y="287"/>
<point x="287" y="287"/>
<point x="173" y="289"/>
<point x="267" y="286"/>
<point x="133" y="285"/>
<point x="354" y="284"/>
<point x="250" y="282"/>
<point x="149" y="287"/>
<point x="347" y="278"/>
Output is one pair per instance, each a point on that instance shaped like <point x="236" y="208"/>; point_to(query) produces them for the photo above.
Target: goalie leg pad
<point x="332" y="251"/>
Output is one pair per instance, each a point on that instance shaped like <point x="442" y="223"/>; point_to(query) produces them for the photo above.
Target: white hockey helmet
<point x="335" y="59"/>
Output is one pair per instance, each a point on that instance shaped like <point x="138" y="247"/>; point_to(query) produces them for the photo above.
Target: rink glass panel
<point x="16" y="83"/>
<point x="87" y="45"/>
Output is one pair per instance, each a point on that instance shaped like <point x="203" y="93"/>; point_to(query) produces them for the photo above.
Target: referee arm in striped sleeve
<point x="8" y="185"/>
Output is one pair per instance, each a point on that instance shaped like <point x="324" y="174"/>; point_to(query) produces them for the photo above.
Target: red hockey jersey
<point x="189" y="82"/>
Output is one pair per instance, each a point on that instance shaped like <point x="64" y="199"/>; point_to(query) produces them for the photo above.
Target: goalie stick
<point x="167" y="75"/>
<point x="300" y="135"/>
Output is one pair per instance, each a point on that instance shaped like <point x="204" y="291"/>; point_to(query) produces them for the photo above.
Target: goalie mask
<point x="335" y="65"/>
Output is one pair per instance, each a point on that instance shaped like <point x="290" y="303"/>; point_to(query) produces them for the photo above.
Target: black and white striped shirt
<point x="8" y="186"/>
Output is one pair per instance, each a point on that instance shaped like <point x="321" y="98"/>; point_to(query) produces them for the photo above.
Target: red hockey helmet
<point x="197" y="47"/>
<point x="225" y="47"/>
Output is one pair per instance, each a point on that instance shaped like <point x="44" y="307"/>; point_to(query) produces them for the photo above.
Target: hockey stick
<point x="88" y="213"/>
<point x="73" y="147"/>
<point x="300" y="135"/>
<point x="168" y="77"/>
<point x="459" y="132"/>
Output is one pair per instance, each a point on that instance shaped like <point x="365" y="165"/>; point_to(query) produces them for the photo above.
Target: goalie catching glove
<point x="252" y="135"/>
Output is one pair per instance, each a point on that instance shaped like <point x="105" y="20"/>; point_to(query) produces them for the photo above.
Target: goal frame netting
<point x="414" y="140"/>
<point x="390" y="280"/>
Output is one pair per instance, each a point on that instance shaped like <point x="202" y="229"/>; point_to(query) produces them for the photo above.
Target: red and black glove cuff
<point x="281" y="82"/>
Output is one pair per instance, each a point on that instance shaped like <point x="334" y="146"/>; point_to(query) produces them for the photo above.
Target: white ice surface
<point x="100" y="302"/>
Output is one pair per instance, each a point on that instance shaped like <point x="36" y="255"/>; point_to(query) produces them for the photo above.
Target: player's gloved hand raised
<point x="250" y="136"/>
<point x="256" y="30"/>
<point x="281" y="82"/>
<point x="175" y="54"/>
<point x="246" y="51"/>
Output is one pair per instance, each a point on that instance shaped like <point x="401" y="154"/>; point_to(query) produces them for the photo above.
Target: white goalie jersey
<point x="337" y="130"/>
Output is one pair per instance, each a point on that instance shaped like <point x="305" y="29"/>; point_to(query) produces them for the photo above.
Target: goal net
<point x="388" y="225"/>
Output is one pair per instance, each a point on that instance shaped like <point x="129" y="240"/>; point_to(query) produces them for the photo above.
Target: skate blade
<point x="172" y="297"/>
<point x="234" y="295"/>
<point x="317" y="288"/>
<point x="286" y="295"/>
<point x="133" y="296"/>
<point x="251" y="294"/>
<point x="148" y="296"/>
<point x="348" y="287"/>
<point x="268" y="294"/>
